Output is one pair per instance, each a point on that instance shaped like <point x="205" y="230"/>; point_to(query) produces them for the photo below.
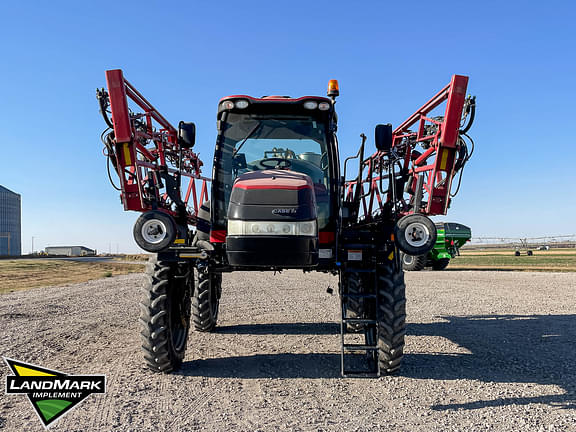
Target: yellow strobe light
<point x="333" y="90"/>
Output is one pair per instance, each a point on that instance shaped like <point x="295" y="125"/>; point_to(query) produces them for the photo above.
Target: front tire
<point x="206" y="301"/>
<point x="391" y="317"/>
<point x="165" y="314"/>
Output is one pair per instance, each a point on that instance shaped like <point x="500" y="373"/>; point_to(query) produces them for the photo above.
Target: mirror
<point x="239" y="162"/>
<point x="383" y="137"/>
<point x="186" y="134"/>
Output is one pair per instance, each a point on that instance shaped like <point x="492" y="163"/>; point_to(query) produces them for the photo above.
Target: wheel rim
<point x="154" y="231"/>
<point x="417" y="234"/>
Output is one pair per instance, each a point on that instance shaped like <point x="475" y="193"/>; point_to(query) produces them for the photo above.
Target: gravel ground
<point x="486" y="351"/>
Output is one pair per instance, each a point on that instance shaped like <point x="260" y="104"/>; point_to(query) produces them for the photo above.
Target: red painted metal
<point x="438" y="138"/>
<point x="270" y="186"/>
<point x="218" y="236"/>
<point x="146" y="145"/>
<point x="326" y="237"/>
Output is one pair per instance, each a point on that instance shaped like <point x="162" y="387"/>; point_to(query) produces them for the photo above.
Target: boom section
<point x="144" y="150"/>
<point x="428" y="149"/>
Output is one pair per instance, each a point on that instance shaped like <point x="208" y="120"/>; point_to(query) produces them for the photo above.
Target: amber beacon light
<point x="333" y="90"/>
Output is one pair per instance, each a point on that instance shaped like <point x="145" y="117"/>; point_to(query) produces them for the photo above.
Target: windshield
<point x="257" y="142"/>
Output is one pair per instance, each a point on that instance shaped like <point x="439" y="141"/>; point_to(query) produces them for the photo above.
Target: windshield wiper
<point x="252" y="132"/>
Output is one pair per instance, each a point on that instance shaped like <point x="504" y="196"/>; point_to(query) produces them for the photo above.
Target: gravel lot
<point x="486" y="351"/>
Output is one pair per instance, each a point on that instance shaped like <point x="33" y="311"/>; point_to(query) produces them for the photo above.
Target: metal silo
<point x="10" y="223"/>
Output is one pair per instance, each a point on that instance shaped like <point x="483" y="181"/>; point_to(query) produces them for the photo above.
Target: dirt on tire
<point x="485" y="351"/>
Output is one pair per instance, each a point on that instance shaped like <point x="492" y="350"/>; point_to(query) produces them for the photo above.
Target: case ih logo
<point x="51" y="393"/>
<point x="284" y="211"/>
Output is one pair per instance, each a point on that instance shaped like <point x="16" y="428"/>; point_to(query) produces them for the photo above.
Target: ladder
<point x="365" y="319"/>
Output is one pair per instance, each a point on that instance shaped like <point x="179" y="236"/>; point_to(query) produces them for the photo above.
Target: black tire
<point x="161" y="238"/>
<point x="415" y="234"/>
<point x="440" y="264"/>
<point x="354" y="283"/>
<point x="165" y="314"/>
<point x="529" y="253"/>
<point x="517" y="253"/>
<point x="413" y="263"/>
<point x="206" y="301"/>
<point x="391" y="317"/>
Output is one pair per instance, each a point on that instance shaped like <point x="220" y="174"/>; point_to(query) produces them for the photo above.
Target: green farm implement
<point x="451" y="237"/>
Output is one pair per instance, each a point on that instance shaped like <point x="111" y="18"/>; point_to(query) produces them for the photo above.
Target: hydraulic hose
<point x="102" y="97"/>
<point x="470" y="110"/>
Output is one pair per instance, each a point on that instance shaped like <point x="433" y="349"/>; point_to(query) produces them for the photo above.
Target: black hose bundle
<point x="469" y="109"/>
<point x="102" y="96"/>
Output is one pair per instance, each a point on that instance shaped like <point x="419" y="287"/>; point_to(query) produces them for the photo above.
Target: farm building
<point x="10" y="223"/>
<point x="70" y="250"/>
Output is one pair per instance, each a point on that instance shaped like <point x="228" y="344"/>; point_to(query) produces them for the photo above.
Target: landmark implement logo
<point x="51" y="393"/>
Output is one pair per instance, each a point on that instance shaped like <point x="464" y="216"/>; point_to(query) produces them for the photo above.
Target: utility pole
<point x="32" y="252"/>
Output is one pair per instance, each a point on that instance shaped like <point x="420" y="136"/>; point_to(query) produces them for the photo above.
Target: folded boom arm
<point x="428" y="151"/>
<point x="145" y="152"/>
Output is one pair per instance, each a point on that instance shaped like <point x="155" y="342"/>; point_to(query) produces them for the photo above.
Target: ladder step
<point x="352" y="347"/>
<point x="359" y="321"/>
<point x="359" y="374"/>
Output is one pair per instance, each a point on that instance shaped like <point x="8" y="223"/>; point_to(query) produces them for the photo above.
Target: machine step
<point x="359" y="321"/>
<point x="359" y="374"/>
<point x="353" y="347"/>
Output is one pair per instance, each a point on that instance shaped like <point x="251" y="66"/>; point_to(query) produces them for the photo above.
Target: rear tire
<point x="165" y="314"/>
<point x="391" y="317"/>
<point x="440" y="264"/>
<point x="206" y="301"/>
<point x="413" y="263"/>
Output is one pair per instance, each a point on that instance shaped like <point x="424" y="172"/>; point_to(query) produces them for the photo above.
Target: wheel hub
<point x="417" y="234"/>
<point x="154" y="231"/>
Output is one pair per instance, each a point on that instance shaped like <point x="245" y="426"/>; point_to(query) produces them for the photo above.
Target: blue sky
<point x="389" y="57"/>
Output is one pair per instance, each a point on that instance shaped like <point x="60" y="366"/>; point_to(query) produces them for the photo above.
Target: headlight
<point x="310" y="105"/>
<point x="264" y="228"/>
<point x="227" y="105"/>
<point x="323" y="106"/>
<point x="241" y="104"/>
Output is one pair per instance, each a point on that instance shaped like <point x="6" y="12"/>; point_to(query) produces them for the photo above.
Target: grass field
<point x="31" y="273"/>
<point x="132" y="257"/>
<point x="504" y="259"/>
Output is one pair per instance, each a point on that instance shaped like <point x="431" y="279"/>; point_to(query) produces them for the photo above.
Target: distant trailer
<point x="70" y="251"/>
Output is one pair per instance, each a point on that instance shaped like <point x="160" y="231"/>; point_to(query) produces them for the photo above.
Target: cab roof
<point x="277" y="104"/>
<point x="277" y="98"/>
